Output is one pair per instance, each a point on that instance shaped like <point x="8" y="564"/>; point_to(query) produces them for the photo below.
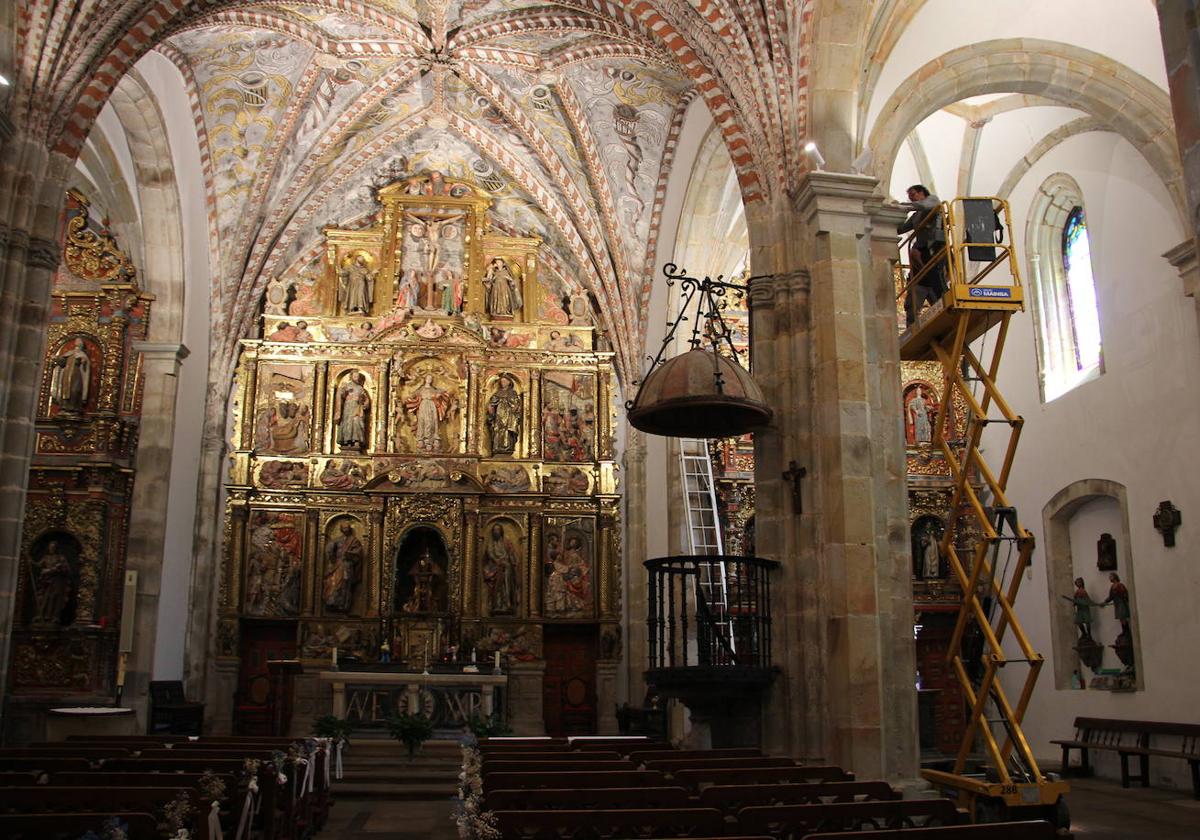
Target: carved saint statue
<point x="356" y="291"/>
<point x="1082" y="604"/>
<point x="918" y="412"/>
<point x="426" y="591"/>
<point x="343" y="569"/>
<point x="500" y="562"/>
<point x="503" y="290"/>
<point x="931" y="560"/>
<point x="428" y="406"/>
<point x="52" y="583"/>
<point x="354" y="405"/>
<point x="504" y="417"/>
<point x="72" y="378"/>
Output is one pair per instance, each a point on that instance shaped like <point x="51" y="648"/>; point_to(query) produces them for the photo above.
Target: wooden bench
<point x="582" y="779"/>
<point x="575" y="798"/>
<point x="61" y="750"/>
<point x="1030" y="830"/>
<point x="792" y="822"/>
<point x="1133" y="738"/>
<point x="72" y="826"/>
<point x="490" y="766"/>
<point x="631" y="822"/>
<point x="657" y="755"/>
<point x="46" y="799"/>
<point x="672" y="765"/>
<point x="528" y="756"/>
<point x="699" y="777"/>
<point x="44" y="764"/>
<point x="732" y="798"/>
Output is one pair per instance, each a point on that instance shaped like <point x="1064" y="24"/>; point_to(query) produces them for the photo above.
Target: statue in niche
<point x="72" y="378"/>
<point x="356" y="289"/>
<point x="919" y="414"/>
<point x="1106" y="553"/>
<point x="428" y="406"/>
<point x="344" y="557"/>
<point x="500" y="563"/>
<point x="52" y="583"/>
<point x="428" y="594"/>
<point x="504" y="417"/>
<point x="354" y="405"/>
<point x="931" y="559"/>
<point x="503" y="290"/>
<point x="1118" y="596"/>
<point x="1081" y="604"/>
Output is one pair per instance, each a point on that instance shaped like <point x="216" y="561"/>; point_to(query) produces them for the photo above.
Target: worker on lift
<point x="928" y="245"/>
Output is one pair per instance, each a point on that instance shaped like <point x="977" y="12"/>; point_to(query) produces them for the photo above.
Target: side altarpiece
<point x="423" y="462"/>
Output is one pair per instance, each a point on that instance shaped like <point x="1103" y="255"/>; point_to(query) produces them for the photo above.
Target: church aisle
<point x="1102" y="810"/>
<point x="376" y="819"/>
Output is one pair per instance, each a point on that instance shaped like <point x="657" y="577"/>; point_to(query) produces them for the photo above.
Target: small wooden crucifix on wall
<point x="794" y="474"/>
<point x="1166" y="519"/>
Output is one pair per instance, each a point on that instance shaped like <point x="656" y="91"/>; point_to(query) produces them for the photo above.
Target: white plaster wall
<point x="1008" y="137"/>
<point x="1137" y="424"/>
<point x="1124" y="30"/>
<point x="941" y="136"/>
<point x="167" y="84"/>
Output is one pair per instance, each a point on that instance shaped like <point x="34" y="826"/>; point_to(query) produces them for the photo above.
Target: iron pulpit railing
<point x="688" y="629"/>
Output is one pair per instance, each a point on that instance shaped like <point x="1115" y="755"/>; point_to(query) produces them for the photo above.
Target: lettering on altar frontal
<point x="370" y="707"/>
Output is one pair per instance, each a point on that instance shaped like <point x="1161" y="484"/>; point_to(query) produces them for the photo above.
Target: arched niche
<point x="52" y="579"/>
<point x="422" y="563"/>
<point x="1105" y="504"/>
<point x="926" y="535"/>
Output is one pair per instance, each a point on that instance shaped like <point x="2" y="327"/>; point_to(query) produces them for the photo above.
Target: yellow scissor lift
<point x="1010" y="783"/>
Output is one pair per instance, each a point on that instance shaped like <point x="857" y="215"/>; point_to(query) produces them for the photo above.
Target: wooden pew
<point x="732" y="798"/>
<point x="632" y="822"/>
<point x="45" y="764"/>
<point x="47" y="799"/>
<point x="697" y="778"/>
<point x="793" y="822"/>
<point x="656" y="755"/>
<point x="72" y="826"/>
<point x="530" y="755"/>
<point x="490" y="766"/>
<point x="601" y="798"/>
<point x="580" y="779"/>
<point x="61" y="750"/>
<point x="231" y="804"/>
<point x="670" y="765"/>
<point x="1031" y="830"/>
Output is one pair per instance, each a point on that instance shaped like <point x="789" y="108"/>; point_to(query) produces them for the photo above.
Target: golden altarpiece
<point x="423" y="466"/>
<point x="75" y="532"/>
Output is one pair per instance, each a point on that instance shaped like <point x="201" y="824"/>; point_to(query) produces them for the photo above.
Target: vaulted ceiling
<point x="567" y="112"/>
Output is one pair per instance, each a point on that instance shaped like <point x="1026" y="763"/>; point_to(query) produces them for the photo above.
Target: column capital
<point x="830" y="200"/>
<point x="162" y="351"/>
<point x="1183" y="259"/>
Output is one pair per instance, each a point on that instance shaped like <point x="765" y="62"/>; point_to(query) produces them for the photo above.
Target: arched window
<point x="1064" y="299"/>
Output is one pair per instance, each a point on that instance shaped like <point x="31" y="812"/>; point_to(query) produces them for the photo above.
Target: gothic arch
<point x="1118" y="98"/>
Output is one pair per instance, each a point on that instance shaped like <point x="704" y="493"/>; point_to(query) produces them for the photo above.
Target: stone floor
<point x="1100" y="810"/>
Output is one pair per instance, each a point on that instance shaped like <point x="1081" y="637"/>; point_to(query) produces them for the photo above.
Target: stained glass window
<point x="1084" y="317"/>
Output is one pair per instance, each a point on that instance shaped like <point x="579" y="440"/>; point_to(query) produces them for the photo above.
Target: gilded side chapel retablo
<point x="75" y="533"/>
<point x="422" y="463"/>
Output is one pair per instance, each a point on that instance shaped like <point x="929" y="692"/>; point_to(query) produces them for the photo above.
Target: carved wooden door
<point x="569" y="687"/>
<point x="261" y="641"/>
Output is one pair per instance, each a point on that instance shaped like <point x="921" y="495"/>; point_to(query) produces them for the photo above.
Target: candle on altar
<point x="335" y="656"/>
<point x="472" y="656"/>
<point x="497" y="660"/>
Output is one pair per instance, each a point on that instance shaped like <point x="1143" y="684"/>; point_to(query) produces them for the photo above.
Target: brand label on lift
<point x="994" y="292"/>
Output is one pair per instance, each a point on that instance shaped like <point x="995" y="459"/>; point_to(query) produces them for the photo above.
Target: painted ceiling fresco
<point x="564" y="116"/>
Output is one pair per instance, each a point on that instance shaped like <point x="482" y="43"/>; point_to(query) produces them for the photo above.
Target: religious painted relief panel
<point x="274" y="563"/>
<point x="568" y="416"/>
<point x="567" y="552"/>
<point x="284" y="409"/>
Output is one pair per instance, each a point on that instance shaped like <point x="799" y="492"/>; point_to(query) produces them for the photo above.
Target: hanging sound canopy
<point x="703" y="393"/>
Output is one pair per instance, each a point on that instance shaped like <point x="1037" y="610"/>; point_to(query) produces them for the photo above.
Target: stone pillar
<point x="148" y="510"/>
<point x="1178" y="24"/>
<point x="606" y="697"/>
<point x="824" y="341"/>
<point x="32" y="193"/>
<point x="524" y="699"/>
<point x="635" y="571"/>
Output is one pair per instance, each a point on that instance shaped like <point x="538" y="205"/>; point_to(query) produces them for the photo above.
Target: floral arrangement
<point x="473" y="822"/>
<point x="410" y="730"/>
<point x="176" y="814"/>
<point x="113" y="829"/>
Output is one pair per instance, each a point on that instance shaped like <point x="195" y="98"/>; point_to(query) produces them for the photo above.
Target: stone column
<point x="32" y="193"/>
<point x="824" y="341"/>
<point x="524" y="701"/>
<point x="1178" y="24"/>
<point x="148" y="510"/>
<point x="606" y="697"/>
<point x="635" y="572"/>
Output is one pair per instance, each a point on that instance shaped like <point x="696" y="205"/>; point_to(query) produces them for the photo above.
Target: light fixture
<point x="4" y="82"/>
<point x="814" y="154"/>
